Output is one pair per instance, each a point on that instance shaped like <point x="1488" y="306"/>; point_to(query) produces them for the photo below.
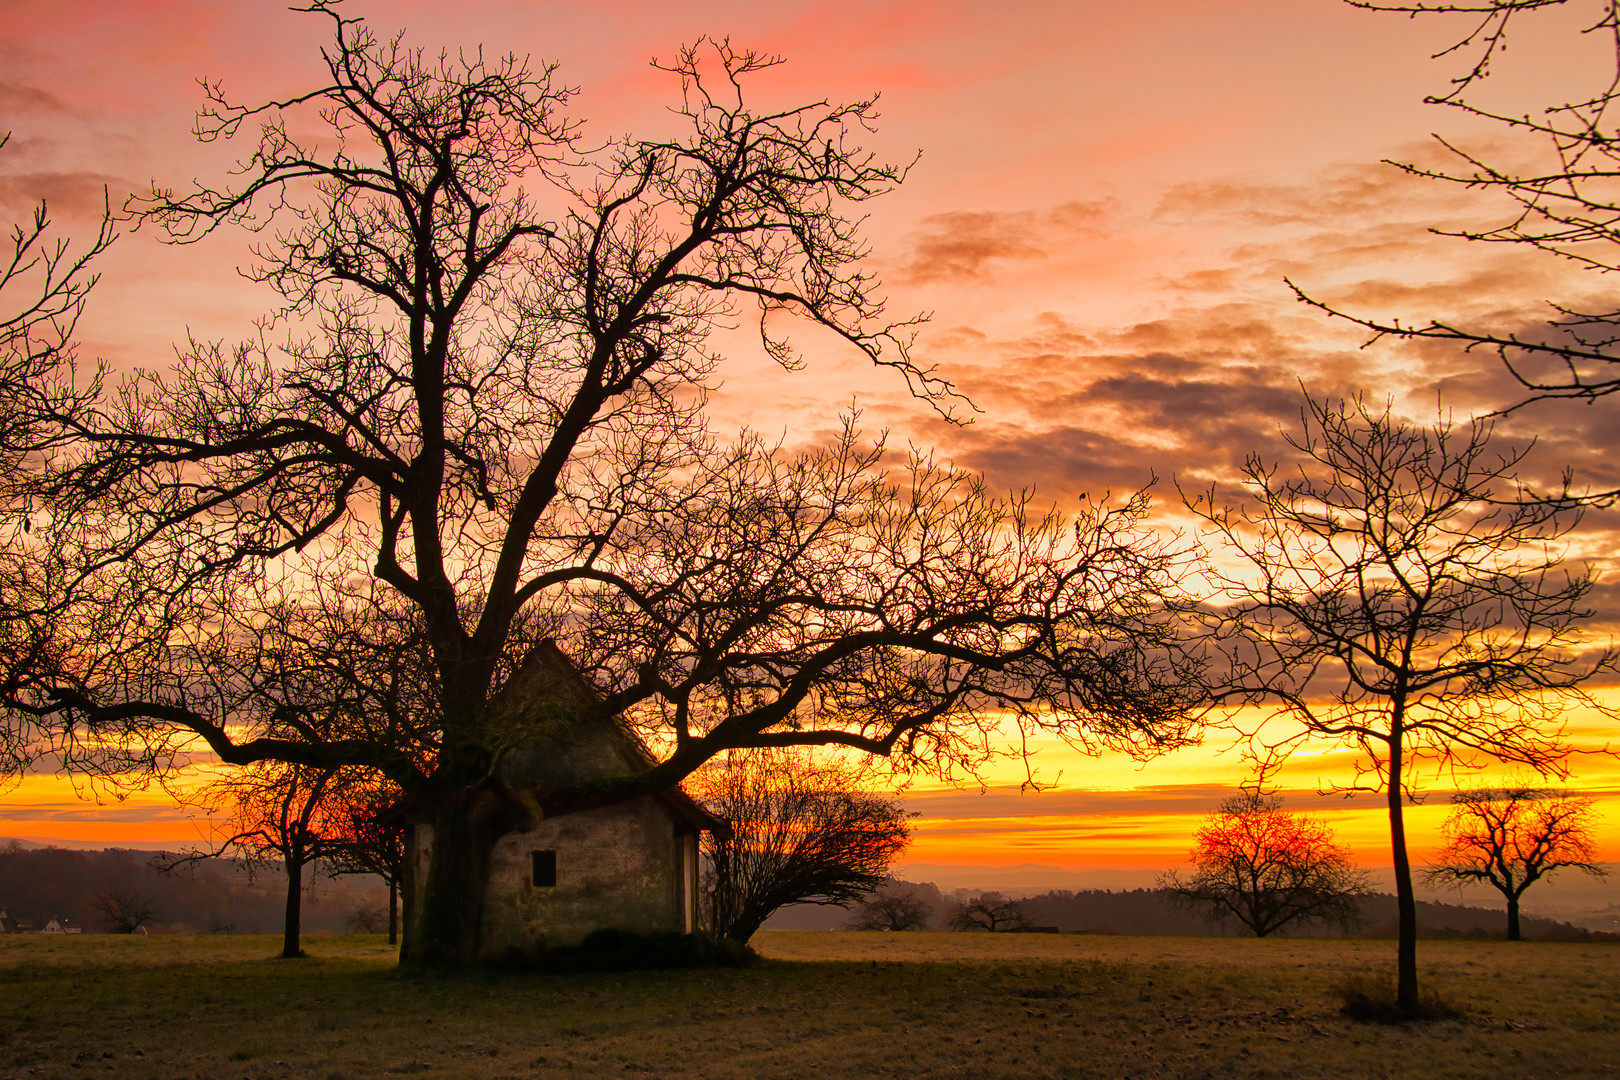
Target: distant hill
<point x="31" y="844"/>
<point x="215" y="895"/>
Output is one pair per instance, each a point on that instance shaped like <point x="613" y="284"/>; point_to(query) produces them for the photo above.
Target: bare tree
<point x="1403" y="596"/>
<point x="274" y="815"/>
<point x="891" y="909"/>
<point x="1512" y="838"/>
<point x="802" y="832"/>
<point x="487" y="411"/>
<point x="368" y="918"/>
<point x="1256" y="862"/>
<point x="993" y="912"/>
<point x="1561" y="203"/>
<point x="124" y="909"/>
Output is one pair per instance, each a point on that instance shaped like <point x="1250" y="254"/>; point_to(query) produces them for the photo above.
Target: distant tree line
<point x="1156" y="912"/>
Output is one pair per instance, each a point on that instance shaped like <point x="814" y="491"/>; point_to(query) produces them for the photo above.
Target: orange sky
<point x="1108" y="198"/>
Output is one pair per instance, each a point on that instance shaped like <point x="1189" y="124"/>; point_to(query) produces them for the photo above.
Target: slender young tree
<point x="485" y="418"/>
<point x="274" y="815"/>
<point x="1513" y="837"/>
<point x="1401" y="594"/>
<point x="1256" y="862"/>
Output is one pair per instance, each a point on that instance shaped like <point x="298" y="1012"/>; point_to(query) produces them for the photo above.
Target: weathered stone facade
<point x="631" y="865"/>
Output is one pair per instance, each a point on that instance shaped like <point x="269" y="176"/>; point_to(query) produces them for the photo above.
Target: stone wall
<point x="617" y="866"/>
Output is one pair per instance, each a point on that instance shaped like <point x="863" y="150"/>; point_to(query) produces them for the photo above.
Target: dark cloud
<point x="1030" y="806"/>
<point x="86" y="811"/>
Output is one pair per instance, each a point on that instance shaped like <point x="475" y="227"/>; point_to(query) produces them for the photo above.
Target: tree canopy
<point x="1553" y="176"/>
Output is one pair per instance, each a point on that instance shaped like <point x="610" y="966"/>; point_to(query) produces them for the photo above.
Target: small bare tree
<point x="1268" y="868"/>
<point x="124" y="909"/>
<point x="1513" y="837"/>
<point x="993" y="912"/>
<point x="367" y="918"/>
<point x="802" y="832"/>
<point x="1402" y="595"/>
<point x="893" y="910"/>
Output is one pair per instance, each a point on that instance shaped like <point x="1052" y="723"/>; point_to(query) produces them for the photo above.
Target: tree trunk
<point x="291" y="927"/>
<point x="393" y="911"/>
<point x="442" y="924"/>
<point x="1406" y="980"/>
<point x="1514" y="933"/>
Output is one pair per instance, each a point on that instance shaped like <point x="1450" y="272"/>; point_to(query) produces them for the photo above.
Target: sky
<point x="1105" y="202"/>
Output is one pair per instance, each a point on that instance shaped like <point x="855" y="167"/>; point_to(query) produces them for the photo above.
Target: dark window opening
<point x="545" y="868"/>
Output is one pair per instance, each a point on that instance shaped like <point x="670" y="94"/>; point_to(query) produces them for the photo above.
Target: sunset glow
<point x="1106" y="202"/>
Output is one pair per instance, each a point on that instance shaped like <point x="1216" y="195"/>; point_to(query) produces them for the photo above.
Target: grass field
<point x="824" y="1004"/>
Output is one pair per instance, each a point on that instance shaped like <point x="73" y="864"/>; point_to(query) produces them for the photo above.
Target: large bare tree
<point x="1396" y="591"/>
<point x="44" y="284"/>
<point x="481" y="425"/>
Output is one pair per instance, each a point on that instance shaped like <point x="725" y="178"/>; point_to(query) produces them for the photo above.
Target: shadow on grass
<point x="1370" y="999"/>
<point x="623" y="950"/>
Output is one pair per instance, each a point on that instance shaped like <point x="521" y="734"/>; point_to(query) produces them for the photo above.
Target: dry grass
<point x="823" y="1005"/>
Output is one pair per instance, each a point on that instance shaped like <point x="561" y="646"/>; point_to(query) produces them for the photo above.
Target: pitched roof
<point x="574" y="743"/>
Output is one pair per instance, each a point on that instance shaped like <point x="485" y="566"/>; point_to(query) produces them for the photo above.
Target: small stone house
<point x="54" y="925"/>
<point x="631" y="865"/>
